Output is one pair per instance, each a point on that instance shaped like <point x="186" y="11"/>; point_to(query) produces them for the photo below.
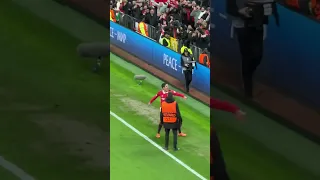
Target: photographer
<point x="249" y="20"/>
<point x="187" y="65"/>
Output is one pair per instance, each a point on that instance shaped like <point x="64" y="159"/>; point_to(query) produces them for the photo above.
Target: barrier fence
<point x="154" y="34"/>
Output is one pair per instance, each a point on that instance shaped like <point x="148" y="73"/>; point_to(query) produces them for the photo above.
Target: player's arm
<point x="228" y="107"/>
<point x="175" y="93"/>
<point x="154" y="98"/>
<point x="223" y="105"/>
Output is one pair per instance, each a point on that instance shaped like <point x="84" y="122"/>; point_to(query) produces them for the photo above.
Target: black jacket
<point x="172" y="125"/>
<point x="232" y="9"/>
<point x="152" y="20"/>
<point x="190" y="67"/>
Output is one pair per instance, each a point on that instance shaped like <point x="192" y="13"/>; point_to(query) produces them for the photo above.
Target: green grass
<point x="38" y="70"/>
<point x="146" y="161"/>
<point x="4" y="174"/>
<point x="246" y="157"/>
<point x="194" y="148"/>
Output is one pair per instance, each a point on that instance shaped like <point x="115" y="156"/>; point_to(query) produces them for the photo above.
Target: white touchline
<point x="15" y="169"/>
<point x="157" y="146"/>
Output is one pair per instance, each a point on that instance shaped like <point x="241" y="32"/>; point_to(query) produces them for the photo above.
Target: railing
<point x="154" y="34"/>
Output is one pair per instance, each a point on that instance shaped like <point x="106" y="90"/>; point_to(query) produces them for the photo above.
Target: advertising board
<point x="158" y="56"/>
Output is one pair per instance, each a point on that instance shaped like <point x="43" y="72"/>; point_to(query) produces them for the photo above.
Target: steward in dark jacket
<point x="171" y="119"/>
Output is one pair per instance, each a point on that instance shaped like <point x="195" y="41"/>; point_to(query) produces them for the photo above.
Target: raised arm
<point x="154" y="98"/>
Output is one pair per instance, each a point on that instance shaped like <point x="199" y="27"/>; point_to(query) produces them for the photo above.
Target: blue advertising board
<point x="158" y="56"/>
<point x="291" y="52"/>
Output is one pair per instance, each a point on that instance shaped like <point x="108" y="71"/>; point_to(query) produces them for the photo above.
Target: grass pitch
<point x="53" y="111"/>
<point x="130" y="101"/>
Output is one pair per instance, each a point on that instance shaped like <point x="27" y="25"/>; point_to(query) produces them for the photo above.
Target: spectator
<point x="112" y="15"/>
<point x="196" y="12"/>
<point x="184" y="20"/>
<point x="182" y="33"/>
<point x="202" y="38"/>
<point x="204" y="59"/>
<point x="136" y="10"/>
<point x="165" y="40"/>
<point x="152" y="19"/>
<point x="143" y="28"/>
<point x="124" y="7"/>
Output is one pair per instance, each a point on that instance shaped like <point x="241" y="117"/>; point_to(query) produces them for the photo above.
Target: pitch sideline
<point x="157" y="146"/>
<point x="15" y="170"/>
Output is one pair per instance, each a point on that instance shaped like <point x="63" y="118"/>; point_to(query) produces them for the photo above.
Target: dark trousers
<point x="251" y="48"/>
<point x="175" y="138"/>
<point x="218" y="167"/>
<point x="188" y="78"/>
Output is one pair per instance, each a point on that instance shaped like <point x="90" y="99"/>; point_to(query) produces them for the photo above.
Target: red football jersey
<point x="163" y="95"/>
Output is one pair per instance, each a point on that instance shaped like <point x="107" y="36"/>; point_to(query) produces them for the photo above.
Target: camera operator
<point x="187" y="65"/>
<point x="249" y="18"/>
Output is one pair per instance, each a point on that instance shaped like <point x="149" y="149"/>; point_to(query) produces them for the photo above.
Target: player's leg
<point x="159" y="126"/>
<point x="179" y="129"/>
<point x="166" y="145"/>
<point x="189" y="79"/>
<point x="159" y="129"/>
<point x="185" y="80"/>
<point x="218" y="165"/>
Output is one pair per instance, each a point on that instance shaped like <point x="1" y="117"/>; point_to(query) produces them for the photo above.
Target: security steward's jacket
<point x="170" y="114"/>
<point x="183" y="49"/>
<point x="165" y="42"/>
<point x="187" y="60"/>
<point x="112" y="15"/>
<point x="204" y="59"/>
<point x="233" y="7"/>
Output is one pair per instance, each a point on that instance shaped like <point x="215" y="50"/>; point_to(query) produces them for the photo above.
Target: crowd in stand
<point x="187" y="21"/>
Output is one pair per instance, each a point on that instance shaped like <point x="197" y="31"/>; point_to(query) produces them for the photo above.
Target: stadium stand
<point x="171" y="23"/>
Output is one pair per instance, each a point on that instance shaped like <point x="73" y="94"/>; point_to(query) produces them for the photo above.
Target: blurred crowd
<point x="186" y="21"/>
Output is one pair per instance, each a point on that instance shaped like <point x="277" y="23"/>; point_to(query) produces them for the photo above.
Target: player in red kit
<point x="163" y="95"/>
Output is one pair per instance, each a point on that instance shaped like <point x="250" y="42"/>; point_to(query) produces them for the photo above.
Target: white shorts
<point x="160" y="109"/>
